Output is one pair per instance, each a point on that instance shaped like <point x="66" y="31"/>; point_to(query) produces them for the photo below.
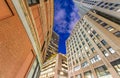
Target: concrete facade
<point x="55" y="68"/>
<point x="93" y="48"/>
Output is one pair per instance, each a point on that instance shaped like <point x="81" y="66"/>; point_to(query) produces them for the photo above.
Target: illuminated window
<point x="116" y="65"/>
<point x="102" y="72"/>
<point x="111" y="50"/>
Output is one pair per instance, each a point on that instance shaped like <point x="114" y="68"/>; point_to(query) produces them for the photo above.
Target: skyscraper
<point x="85" y="5"/>
<point x="93" y="48"/>
<point x="25" y="32"/>
<point x="52" y="46"/>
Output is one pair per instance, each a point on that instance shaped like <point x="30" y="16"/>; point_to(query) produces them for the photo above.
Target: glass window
<point x="88" y="74"/>
<point x="93" y="49"/>
<point x="32" y="2"/>
<point x="99" y="3"/>
<point x="116" y="65"/>
<point x="116" y="5"/>
<point x="112" y="8"/>
<point x="99" y="45"/>
<point x="78" y="76"/>
<point x="105" y="53"/>
<point x="103" y="42"/>
<point x="111" y="50"/>
<point x="104" y="24"/>
<point x="117" y="33"/>
<point x="110" y="28"/>
<point x="102" y="72"/>
<point x="94" y="32"/>
<point x="99" y="21"/>
<point x="110" y="4"/>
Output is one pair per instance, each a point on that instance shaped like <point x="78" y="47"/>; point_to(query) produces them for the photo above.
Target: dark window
<point x="99" y="3"/>
<point x="99" y="21"/>
<point x="106" y="3"/>
<point x="83" y="43"/>
<point x="110" y="4"/>
<point x="107" y="7"/>
<point x="116" y="5"/>
<point x="103" y="42"/>
<point x="112" y="8"/>
<point x="94" y="32"/>
<point x="102" y="6"/>
<point x="104" y="24"/>
<point x="117" y="33"/>
<point x="91" y="35"/>
<point x="93" y="49"/>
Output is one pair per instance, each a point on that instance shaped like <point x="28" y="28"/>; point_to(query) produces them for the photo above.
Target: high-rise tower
<point x="93" y="48"/>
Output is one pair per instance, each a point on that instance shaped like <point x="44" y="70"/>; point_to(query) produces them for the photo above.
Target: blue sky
<point x="65" y="17"/>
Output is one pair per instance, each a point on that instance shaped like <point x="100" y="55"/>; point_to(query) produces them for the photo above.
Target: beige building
<point x="56" y="67"/>
<point x="93" y="48"/>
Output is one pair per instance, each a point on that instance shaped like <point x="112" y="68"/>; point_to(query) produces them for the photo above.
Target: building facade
<point x="93" y="48"/>
<point x="56" y="67"/>
<point x="25" y="32"/>
<point x="85" y="5"/>
<point x="53" y="46"/>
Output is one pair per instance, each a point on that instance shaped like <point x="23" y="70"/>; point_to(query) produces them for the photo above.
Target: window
<point x="32" y="2"/>
<point x="104" y="24"/>
<point x="91" y="35"/>
<point x="102" y="72"/>
<point x="99" y="21"/>
<point x="117" y="33"/>
<point x="99" y="3"/>
<point x="93" y="49"/>
<point x="94" y="32"/>
<point x="110" y="4"/>
<point x="84" y="64"/>
<point x="76" y="68"/>
<point x="95" y="59"/>
<point x="112" y="8"/>
<point x="111" y="50"/>
<point x="105" y="53"/>
<point x="116" y="5"/>
<point x="88" y="74"/>
<point x="78" y="76"/>
<point x="99" y="45"/>
<point x="116" y="65"/>
<point x="110" y="28"/>
<point x="104" y="42"/>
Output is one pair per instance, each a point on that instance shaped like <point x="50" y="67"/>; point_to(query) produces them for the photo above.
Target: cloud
<point x="66" y="15"/>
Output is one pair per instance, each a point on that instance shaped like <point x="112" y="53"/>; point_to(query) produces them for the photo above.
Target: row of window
<point x="105" y="25"/>
<point x="96" y="39"/>
<point x="102" y="72"/>
<point x="110" y="6"/>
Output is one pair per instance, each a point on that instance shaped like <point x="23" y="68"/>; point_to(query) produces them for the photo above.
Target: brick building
<point x="25" y="32"/>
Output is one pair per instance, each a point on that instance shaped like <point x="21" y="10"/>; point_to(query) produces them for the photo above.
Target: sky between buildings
<point x="65" y="17"/>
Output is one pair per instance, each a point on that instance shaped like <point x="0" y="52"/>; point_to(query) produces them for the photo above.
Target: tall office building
<point x="85" y="5"/>
<point x="56" y="67"/>
<point x="109" y="7"/>
<point x="25" y="31"/>
<point x="93" y="48"/>
<point x="53" y="46"/>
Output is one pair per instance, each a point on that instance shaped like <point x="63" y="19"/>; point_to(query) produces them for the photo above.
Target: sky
<point x="65" y="17"/>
